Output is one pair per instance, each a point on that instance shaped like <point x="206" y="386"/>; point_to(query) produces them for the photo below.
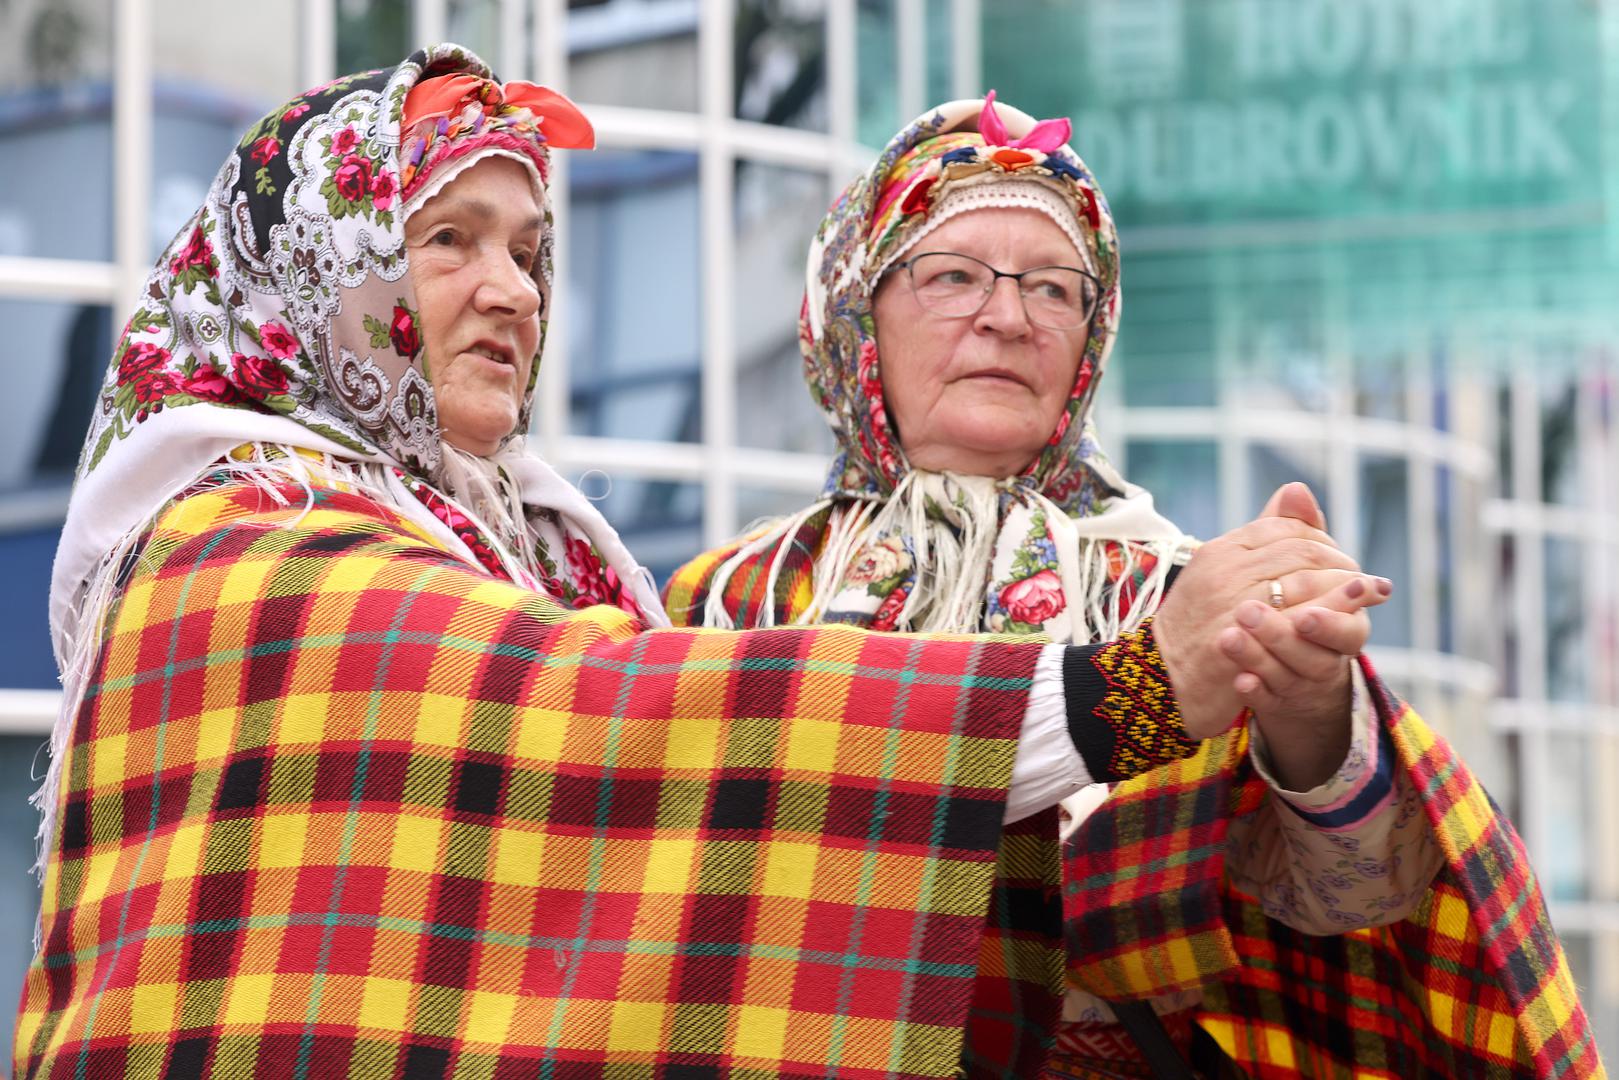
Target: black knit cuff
<point x="1122" y="712"/>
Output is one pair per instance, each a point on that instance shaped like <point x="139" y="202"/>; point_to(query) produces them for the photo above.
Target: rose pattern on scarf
<point x="880" y="566"/>
<point x="1032" y="594"/>
<point x="208" y="383"/>
<point x="278" y="341"/>
<point x="259" y="377"/>
<point x="194" y="263"/>
<point x="266" y="149"/>
<point x="402" y="332"/>
<point x="1033" y="600"/>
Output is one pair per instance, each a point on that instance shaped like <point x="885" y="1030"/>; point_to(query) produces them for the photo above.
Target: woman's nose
<point x="506" y="287"/>
<point x="1003" y="310"/>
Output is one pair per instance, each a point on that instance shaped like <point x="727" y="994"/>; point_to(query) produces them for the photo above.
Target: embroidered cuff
<point x="1361" y="787"/>
<point x="1122" y="712"/>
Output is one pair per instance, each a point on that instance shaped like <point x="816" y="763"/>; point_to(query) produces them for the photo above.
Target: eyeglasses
<point x="957" y="287"/>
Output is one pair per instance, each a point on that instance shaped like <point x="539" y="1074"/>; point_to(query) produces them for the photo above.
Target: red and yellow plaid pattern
<point x="338" y="805"/>
<point x="1473" y="984"/>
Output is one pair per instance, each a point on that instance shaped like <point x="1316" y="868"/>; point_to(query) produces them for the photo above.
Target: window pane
<point x="212" y="78"/>
<point x="877" y="81"/>
<point x="640" y="53"/>
<point x="1168" y="356"/>
<point x="46" y="409"/>
<point x="1559" y="444"/>
<point x="781" y="62"/>
<point x="372" y="34"/>
<point x="1385" y="545"/>
<point x="1380" y="386"/>
<point x="1506" y="579"/>
<point x="476" y="24"/>
<point x="1567" y="803"/>
<point x="1184" y="480"/>
<point x="632" y="290"/>
<point x="777" y="210"/>
<point x="56" y="112"/>
<point x="659" y="520"/>
<point x="19" y="889"/>
<point x="754" y="505"/>
<point x="1269" y="467"/>
<point x="29" y="531"/>
<point x="937" y="53"/>
<point x="1566" y="643"/>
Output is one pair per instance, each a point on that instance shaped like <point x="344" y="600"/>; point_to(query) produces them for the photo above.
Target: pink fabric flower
<point x="1045" y="136"/>
<point x="1034" y="600"/>
<point x="294" y="112"/>
<point x="265" y="150"/>
<point x="278" y="341"/>
<point x="344" y="142"/>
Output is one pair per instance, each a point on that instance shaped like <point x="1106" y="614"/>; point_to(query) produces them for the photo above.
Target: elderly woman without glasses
<point x="962" y="300"/>
<point x="378" y="758"/>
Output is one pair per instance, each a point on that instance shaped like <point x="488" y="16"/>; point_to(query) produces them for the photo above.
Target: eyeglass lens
<point x="955" y="286"/>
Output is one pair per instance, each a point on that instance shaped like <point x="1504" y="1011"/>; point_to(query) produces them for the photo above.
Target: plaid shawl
<point x="1472" y="984"/>
<point x="337" y="804"/>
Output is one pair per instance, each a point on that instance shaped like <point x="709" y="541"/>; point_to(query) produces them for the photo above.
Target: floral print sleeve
<point x="1351" y="853"/>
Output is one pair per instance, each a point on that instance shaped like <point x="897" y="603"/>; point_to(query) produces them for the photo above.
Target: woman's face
<point x="473" y="249"/>
<point x="978" y="395"/>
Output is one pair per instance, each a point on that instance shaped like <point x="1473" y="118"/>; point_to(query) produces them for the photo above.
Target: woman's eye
<point x="444" y="237"/>
<point x="524" y="259"/>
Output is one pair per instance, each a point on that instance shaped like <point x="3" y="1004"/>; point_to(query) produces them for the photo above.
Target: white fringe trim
<point x="955" y="554"/>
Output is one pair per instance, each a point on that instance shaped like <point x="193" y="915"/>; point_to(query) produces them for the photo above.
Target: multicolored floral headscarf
<point x="283" y="315"/>
<point x="1067" y="548"/>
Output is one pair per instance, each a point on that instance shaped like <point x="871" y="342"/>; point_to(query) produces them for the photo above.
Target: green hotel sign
<point x="1218" y="110"/>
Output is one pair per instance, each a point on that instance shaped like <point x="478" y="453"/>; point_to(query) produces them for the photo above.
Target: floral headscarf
<point x="283" y="315"/>
<point x="1067" y="548"/>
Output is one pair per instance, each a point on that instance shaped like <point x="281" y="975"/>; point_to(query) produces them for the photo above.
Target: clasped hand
<point x="1226" y="648"/>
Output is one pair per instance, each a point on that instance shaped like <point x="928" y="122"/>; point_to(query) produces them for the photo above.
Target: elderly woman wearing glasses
<point x="962" y="298"/>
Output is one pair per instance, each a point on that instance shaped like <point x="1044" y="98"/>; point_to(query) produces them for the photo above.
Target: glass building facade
<point x="1370" y="244"/>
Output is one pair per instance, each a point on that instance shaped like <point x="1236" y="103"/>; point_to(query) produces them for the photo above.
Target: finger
<point x="1341" y="590"/>
<point x="1275" y="632"/>
<point x="1343" y="632"/>
<point x="1285" y="555"/>
<point x="1268" y="530"/>
<point x="1248" y="655"/>
<point x="1295" y="500"/>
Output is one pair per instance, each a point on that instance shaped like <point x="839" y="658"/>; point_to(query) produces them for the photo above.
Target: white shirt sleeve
<point x="1047" y="768"/>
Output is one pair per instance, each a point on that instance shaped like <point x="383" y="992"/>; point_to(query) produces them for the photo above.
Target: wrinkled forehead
<point x="448" y="172"/>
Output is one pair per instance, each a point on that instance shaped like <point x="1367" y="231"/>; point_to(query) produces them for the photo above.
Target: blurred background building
<point x="1371" y="244"/>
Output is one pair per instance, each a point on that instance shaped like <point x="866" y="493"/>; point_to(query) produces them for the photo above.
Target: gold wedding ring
<point x="1276" y="600"/>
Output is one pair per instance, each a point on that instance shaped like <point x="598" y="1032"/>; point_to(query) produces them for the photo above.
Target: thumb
<point x="1295" y="500"/>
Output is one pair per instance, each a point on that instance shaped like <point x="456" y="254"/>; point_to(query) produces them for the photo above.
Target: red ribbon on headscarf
<point x="561" y="123"/>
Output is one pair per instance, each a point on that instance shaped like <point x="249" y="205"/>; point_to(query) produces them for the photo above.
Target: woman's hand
<point x="1284" y="544"/>
<point x="1294" y="674"/>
